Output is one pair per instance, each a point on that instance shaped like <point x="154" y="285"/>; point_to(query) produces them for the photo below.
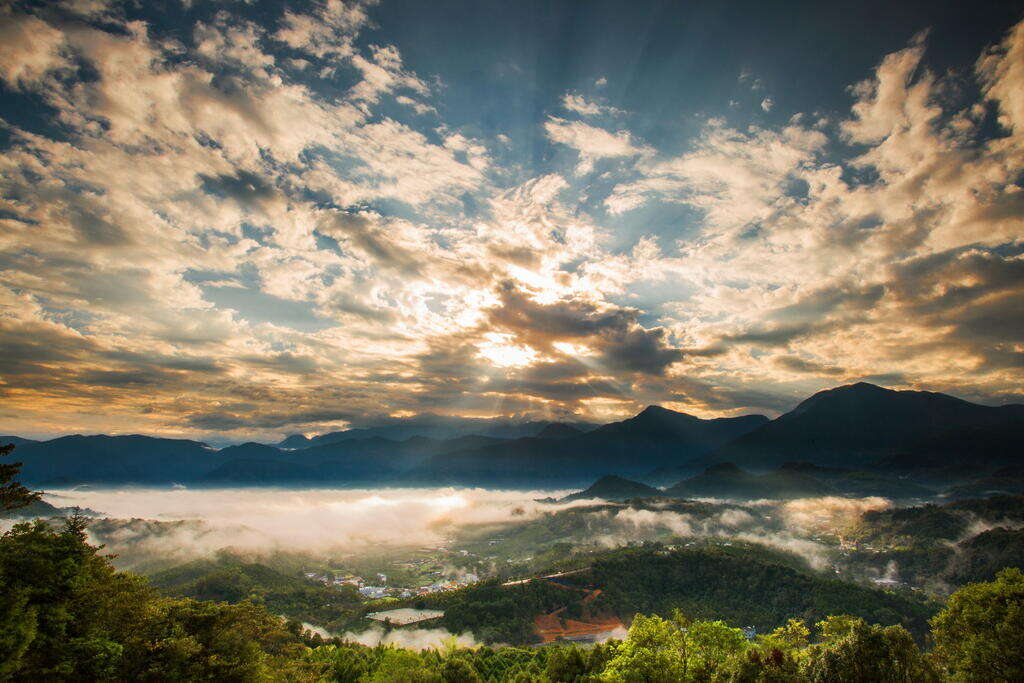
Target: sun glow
<point x="499" y="350"/>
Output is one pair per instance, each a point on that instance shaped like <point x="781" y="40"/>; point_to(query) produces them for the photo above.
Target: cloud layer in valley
<point x="248" y="221"/>
<point x="326" y="522"/>
<point x="307" y="520"/>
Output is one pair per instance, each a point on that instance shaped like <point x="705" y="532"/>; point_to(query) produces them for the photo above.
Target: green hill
<point x="611" y="487"/>
<point x="743" y="584"/>
<point x="232" y="579"/>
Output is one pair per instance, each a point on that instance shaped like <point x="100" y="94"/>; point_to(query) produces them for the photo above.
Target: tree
<point x="651" y="653"/>
<point x="864" y="652"/>
<point x="708" y="644"/>
<point x="17" y="628"/>
<point x="792" y="636"/>
<point x="402" y="666"/>
<point x="79" y="608"/>
<point x="837" y="626"/>
<point x="12" y="494"/>
<point x="979" y="636"/>
<point x="342" y="663"/>
<point x="761" y="664"/>
<point x="457" y="670"/>
<point x="566" y="664"/>
<point x="67" y="615"/>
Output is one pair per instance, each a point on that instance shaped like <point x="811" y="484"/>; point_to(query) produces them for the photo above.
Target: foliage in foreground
<point x="67" y="615"/>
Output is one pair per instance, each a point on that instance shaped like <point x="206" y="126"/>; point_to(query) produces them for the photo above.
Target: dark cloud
<point x="975" y="295"/>
<point x="371" y="238"/>
<point x="96" y="230"/>
<point x="827" y="301"/>
<point x="284" y="362"/>
<point x="244" y="187"/>
<point x="728" y="394"/>
<point x="621" y="344"/>
<point x="945" y="282"/>
<point x="798" y="364"/>
<point x="123" y="378"/>
<point x="776" y="334"/>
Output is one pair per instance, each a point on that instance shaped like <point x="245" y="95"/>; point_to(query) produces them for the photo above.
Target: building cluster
<point x="380" y="588"/>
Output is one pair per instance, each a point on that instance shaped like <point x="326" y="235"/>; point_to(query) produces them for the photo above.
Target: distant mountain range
<point x="857" y="438"/>
<point x="863" y="424"/>
<point x="434" y="427"/>
<point x="728" y="481"/>
<point x="655" y="437"/>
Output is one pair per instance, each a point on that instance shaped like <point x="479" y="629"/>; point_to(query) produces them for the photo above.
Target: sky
<point x="232" y="220"/>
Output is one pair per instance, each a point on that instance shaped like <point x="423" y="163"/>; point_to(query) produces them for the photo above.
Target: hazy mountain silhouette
<point x="862" y="425"/>
<point x="859" y="482"/>
<point x="726" y="480"/>
<point x="16" y="440"/>
<point x="859" y="439"/>
<point x="655" y="437"/>
<point x="115" y="459"/>
<point x="435" y="427"/>
<point x="558" y="430"/>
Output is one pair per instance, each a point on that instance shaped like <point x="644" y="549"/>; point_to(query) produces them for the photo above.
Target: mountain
<point x="261" y="471"/>
<point x="981" y="557"/>
<point x="137" y="459"/>
<point x="1004" y="481"/>
<point x="558" y="430"/>
<point x="859" y="483"/>
<point x="726" y="480"/>
<point x="610" y="487"/>
<point x="40" y="508"/>
<point x="349" y="461"/>
<point x="440" y="427"/>
<point x="294" y="441"/>
<point x="657" y="423"/>
<point x="877" y="441"/>
<point x="656" y="437"/>
<point x="114" y="459"/>
<point x="250" y="449"/>
<point x="862" y="424"/>
<point x="16" y="440"/>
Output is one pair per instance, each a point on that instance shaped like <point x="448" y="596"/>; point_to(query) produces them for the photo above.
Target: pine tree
<point x="12" y="494"/>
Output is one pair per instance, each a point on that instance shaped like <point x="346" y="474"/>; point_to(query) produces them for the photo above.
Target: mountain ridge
<point x="879" y="434"/>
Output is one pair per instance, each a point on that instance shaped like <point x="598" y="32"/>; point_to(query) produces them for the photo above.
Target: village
<point x="430" y="570"/>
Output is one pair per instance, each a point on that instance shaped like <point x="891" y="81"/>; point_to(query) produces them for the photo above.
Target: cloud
<point x="312" y="521"/>
<point x="619" y="342"/>
<point x="29" y="49"/>
<point x="586" y="107"/>
<point x="327" y="32"/>
<point x="239" y="225"/>
<point x="591" y="142"/>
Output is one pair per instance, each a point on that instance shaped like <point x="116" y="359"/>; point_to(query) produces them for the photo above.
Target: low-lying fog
<point x="312" y="520"/>
<point x="341" y="521"/>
